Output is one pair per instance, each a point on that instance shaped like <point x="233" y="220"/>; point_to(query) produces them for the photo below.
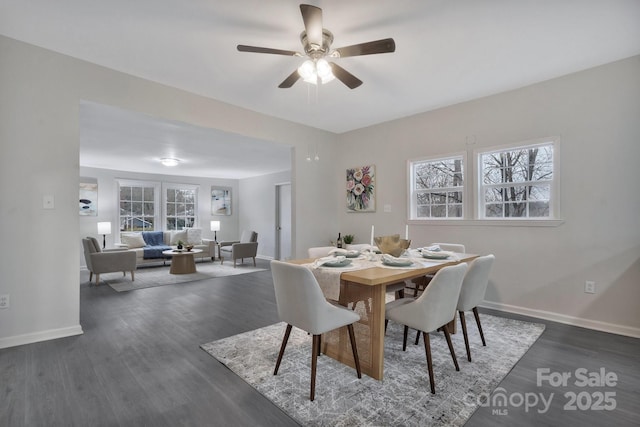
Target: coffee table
<point x="182" y="261"/>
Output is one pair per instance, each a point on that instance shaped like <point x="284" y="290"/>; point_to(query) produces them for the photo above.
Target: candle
<point x="372" y="235"/>
<point x="406" y="232"/>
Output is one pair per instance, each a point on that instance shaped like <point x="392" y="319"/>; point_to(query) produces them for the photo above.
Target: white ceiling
<point x="113" y="138"/>
<point x="446" y="51"/>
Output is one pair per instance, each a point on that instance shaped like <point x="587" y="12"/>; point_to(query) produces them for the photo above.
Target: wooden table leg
<point x="368" y="302"/>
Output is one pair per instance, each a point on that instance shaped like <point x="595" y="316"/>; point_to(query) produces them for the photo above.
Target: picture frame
<point x="220" y="200"/>
<point x="88" y="200"/>
<point x="360" y="187"/>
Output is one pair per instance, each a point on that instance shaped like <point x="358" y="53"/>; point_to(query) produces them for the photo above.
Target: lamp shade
<point x="215" y="225"/>
<point x="104" y="228"/>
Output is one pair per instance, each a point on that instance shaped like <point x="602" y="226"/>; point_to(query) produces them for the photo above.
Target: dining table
<point x="361" y="285"/>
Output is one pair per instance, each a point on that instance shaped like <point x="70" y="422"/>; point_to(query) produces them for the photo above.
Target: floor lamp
<point x="104" y="228"/>
<point x="215" y="227"/>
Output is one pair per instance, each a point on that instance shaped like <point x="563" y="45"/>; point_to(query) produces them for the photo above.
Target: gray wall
<point x="39" y="132"/>
<point x="257" y="209"/>
<point x="539" y="270"/>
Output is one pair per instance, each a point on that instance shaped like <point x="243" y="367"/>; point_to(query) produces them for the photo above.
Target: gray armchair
<point x="246" y="247"/>
<point x="108" y="261"/>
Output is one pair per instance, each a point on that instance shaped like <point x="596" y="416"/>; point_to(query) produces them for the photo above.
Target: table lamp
<point x="104" y="228"/>
<point x="215" y="227"/>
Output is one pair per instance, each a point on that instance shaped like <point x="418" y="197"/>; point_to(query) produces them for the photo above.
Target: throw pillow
<point x="177" y="235"/>
<point x="194" y="236"/>
<point x="133" y="240"/>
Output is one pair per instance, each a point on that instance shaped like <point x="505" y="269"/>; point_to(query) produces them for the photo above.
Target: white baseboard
<point x="50" y="334"/>
<point x="597" y="325"/>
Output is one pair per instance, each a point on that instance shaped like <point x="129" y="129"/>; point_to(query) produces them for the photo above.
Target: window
<point x="137" y="202"/>
<point x="140" y="205"/>
<point x="517" y="182"/>
<point x="181" y="208"/>
<point x="437" y="187"/>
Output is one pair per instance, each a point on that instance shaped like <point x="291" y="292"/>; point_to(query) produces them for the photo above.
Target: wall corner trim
<point x="34" y="337"/>
<point x="597" y="325"/>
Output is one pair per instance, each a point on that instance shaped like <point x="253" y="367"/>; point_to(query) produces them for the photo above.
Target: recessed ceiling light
<point x="168" y="161"/>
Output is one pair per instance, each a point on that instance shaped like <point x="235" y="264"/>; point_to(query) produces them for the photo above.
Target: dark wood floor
<point x="139" y="363"/>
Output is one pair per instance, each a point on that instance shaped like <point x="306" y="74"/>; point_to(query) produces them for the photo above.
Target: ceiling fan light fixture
<point x="169" y="161"/>
<point x="324" y="71"/>
<point x="313" y="70"/>
<point x="307" y="70"/>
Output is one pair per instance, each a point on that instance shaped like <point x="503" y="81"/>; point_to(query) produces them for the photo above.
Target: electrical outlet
<point x="4" y="301"/>
<point x="590" y="287"/>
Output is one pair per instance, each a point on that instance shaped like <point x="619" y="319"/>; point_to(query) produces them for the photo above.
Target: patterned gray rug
<point x="151" y="276"/>
<point x="402" y="398"/>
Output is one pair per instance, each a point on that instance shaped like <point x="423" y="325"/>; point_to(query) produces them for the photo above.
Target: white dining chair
<point x="301" y="304"/>
<point x="319" y="251"/>
<point x="420" y="283"/>
<point x="434" y="309"/>
<point x="472" y="293"/>
<point x="450" y="247"/>
<point x="360" y="247"/>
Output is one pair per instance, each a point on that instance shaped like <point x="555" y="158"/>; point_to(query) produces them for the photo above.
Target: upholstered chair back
<point x="248" y="236"/>
<point x="475" y="283"/>
<point x="451" y="247"/>
<point x="319" y="251"/>
<point x="90" y="246"/>
<point x="301" y="302"/>
<point x="437" y="304"/>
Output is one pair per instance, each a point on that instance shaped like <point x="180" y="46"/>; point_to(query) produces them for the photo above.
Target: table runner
<point x="329" y="277"/>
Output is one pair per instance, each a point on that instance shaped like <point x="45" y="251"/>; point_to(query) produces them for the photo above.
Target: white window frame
<point x="176" y="186"/>
<point x="412" y="207"/>
<point x="554" y="199"/>
<point x="140" y="183"/>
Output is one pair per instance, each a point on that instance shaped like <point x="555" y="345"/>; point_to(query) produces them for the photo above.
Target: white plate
<point x="342" y="263"/>
<point x="434" y="255"/>
<point x="401" y="263"/>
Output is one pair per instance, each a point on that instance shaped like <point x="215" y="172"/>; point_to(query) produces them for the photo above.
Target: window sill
<point x="490" y="222"/>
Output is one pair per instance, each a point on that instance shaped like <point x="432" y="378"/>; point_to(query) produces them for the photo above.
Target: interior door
<point x="283" y="221"/>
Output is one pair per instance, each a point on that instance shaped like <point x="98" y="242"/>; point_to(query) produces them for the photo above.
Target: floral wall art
<point x="361" y="189"/>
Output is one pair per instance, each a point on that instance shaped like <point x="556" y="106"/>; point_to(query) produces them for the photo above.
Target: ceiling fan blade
<point x="289" y="81"/>
<point x="255" y="49"/>
<point x="312" y="17"/>
<point x="344" y="76"/>
<point x="368" y="48"/>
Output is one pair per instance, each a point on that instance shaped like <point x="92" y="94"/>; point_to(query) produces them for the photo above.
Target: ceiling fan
<point x="316" y="42"/>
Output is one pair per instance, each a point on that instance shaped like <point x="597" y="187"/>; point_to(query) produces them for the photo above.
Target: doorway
<point x="283" y="221"/>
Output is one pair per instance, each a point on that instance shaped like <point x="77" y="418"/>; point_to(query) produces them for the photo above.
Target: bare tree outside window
<point x="438" y="188"/>
<point x="181" y="208"/>
<point x="137" y="208"/>
<point x="517" y="183"/>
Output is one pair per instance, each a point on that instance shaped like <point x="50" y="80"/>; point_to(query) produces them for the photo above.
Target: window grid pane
<point x="517" y="183"/>
<point x="437" y="187"/>
<point x="181" y="208"/>
<point x="136" y="208"/>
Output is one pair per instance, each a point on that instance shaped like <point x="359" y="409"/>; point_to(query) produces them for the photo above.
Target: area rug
<point x="148" y="277"/>
<point x="402" y="398"/>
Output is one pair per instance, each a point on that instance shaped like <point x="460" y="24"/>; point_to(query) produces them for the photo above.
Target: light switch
<point x="47" y="202"/>
<point x="387" y="208"/>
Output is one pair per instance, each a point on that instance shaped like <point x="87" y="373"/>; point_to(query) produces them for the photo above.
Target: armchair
<point x="107" y="261"/>
<point x="246" y="247"/>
